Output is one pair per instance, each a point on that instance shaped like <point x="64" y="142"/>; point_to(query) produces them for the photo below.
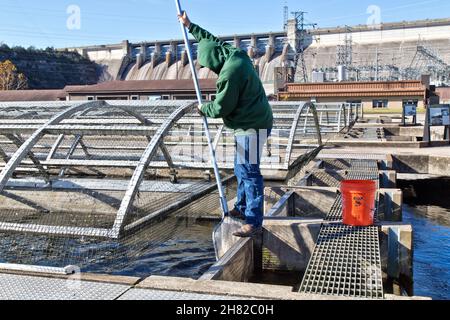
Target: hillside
<point x="49" y="69"/>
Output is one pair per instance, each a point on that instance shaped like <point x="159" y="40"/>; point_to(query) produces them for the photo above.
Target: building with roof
<point x="142" y="90"/>
<point x="32" y="95"/>
<point x="444" y="94"/>
<point x="119" y="90"/>
<point x="381" y="95"/>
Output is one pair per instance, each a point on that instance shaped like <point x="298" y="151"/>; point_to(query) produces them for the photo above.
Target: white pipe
<point x="223" y="200"/>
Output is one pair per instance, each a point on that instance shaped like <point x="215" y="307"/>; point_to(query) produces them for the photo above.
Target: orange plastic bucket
<point x="358" y="202"/>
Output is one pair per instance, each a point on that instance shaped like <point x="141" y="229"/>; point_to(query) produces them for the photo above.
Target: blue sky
<point x="44" y="23"/>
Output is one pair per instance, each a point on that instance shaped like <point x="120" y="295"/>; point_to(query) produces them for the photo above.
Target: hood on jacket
<point x="212" y="55"/>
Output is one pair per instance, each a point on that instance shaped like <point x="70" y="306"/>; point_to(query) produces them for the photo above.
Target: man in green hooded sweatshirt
<point x="242" y="104"/>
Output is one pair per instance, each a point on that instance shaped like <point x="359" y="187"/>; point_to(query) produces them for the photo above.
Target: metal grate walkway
<point x="335" y="213"/>
<point x="341" y="169"/>
<point x="327" y="155"/>
<point x="358" y="170"/>
<point x="350" y="164"/>
<point x="22" y="287"/>
<point x="345" y="262"/>
<point x="364" y="175"/>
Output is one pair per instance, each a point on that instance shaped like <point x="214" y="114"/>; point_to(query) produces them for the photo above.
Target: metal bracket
<point x="18" y="142"/>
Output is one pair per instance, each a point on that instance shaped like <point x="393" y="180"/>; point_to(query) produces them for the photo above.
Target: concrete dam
<point x="392" y="51"/>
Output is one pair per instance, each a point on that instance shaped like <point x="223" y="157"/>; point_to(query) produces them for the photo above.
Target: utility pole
<point x="301" y="73"/>
<point x="377" y="64"/>
<point x="344" y="53"/>
<point x="286" y="15"/>
<point x="348" y="46"/>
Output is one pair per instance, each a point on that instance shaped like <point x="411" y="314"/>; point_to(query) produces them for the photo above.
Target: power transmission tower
<point x="301" y="74"/>
<point x="427" y="61"/>
<point x="377" y="64"/>
<point x="344" y="53"/>
<point x="286" y="15"/>
<point x="348" y="47"/>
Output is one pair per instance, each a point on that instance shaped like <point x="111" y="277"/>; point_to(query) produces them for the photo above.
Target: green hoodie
<point x="241" y="100"/>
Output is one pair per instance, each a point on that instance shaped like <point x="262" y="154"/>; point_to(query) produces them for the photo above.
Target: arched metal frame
<point x="288" y="117"/>
<point x="143" y="120"/>
<point x="26" y="147"/>
<point x="285" y="113"/>
<point x="292" y="120"/>
<point x="343" y="115"/>
<point x="127" y="201"/>
<point x="138" y="174"/>
<point x="308" y="106"/>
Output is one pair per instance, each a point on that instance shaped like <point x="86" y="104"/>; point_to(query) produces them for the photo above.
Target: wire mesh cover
<point x="47" y="223"/>
<point x="84" y="135"/>
<point x="179" y="245"/>
<point x="56" y="201"/>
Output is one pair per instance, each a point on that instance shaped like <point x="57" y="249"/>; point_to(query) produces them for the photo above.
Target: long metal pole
<point x="223" y="200"/>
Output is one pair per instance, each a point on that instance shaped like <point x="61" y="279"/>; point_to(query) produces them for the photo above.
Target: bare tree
<point x="11" y="78"/>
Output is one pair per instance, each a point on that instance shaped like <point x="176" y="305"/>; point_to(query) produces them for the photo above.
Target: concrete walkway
<point x="23" y="287"/>
<point x="104" y="287"/>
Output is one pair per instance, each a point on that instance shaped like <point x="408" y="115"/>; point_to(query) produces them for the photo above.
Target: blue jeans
<point x="250" y="184"/>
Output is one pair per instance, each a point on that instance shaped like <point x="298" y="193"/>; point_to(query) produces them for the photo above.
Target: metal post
<point x="447" y="128"/>
<point x="306" y="121"/>
<point x="339" y="120"/>
<point x="4" y="156"/>
<point x="345" y="115"/>
<point x="223" y="200"/>
<point x="71" y="151"/>
<point x="426" y="128"/>
<point x="403" y="115"/>
<point x="349" y="112"/>
<point x="316" y="123"/>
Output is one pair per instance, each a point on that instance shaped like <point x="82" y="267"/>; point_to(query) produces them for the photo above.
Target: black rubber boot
<point x="236" y="215"/>
<point x="247" y="231"/>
